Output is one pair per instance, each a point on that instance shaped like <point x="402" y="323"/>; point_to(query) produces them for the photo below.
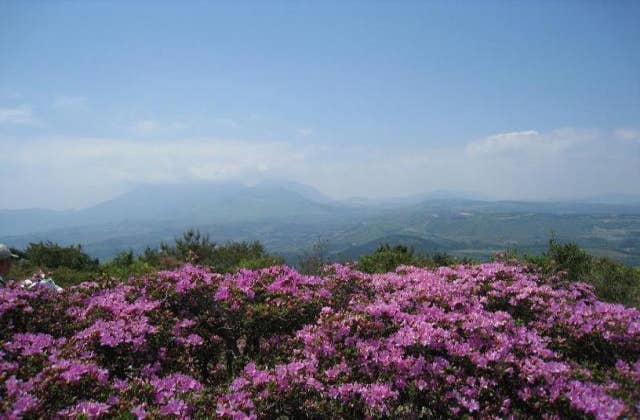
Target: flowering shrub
<point x="491" y="340"/>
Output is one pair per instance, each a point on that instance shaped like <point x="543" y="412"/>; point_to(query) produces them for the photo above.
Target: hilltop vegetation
<point x="70" y="265"/>
<point x="612" y="281"/>
<point x="481" y="341"/>
<point x="197" y="329"/>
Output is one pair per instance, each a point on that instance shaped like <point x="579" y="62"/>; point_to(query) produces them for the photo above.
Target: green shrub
<point x="386" y="258"/>
<point x="613" y="281"/>
<point x="65" y="276"/>
<point x="441" y="259"/>
<point x="260" y="262"/>
<point x="192" y="246"/>
<point x="570" y="258"/>
<point x="126" y="265"/>
<point x="229" y="257"/>
<point x="196" y="247"/>
<point x="51" y="255"/>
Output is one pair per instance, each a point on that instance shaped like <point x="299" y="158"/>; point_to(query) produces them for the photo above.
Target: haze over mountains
<point x="289" y="217"/>
<point x="191" y="203"/>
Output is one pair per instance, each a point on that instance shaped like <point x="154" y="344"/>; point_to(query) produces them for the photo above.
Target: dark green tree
<point x="192" y="246"/>
<point x="568" y="258"/>
<point x="50" y="255"/>
<point x="386" y="258"/>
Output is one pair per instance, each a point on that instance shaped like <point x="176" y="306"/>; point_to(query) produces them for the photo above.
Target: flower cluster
<point x="490" y="340"/>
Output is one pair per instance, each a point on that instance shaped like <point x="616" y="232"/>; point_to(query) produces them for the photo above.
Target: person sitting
<point x="40" y="279"/>
<point x="37" y="280"/>
<point x="6" y="259"/>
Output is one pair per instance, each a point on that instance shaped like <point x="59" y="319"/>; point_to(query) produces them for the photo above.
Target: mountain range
<point x="289" y="217"/>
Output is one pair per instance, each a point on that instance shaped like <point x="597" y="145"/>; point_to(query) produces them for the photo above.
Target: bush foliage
<point x="388" y="258"/>
<point x="475" y="341"/>
<point x="612" y="281"/>
<point x="70" y="265"/>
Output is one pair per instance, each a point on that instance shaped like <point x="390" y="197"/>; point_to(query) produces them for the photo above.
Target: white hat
<point x="5" y="253"/>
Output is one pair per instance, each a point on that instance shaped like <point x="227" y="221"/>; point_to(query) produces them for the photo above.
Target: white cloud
<point x="564" y="163"/>
<point x="70" y="102"/>
<point x="530" y="142"/>
<point x="74" y="171"/>
<point x="21" y="115"/>
<point x="498" y="143"/>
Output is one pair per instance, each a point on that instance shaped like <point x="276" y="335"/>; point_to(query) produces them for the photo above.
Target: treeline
<point x="613" y="281"/>
<point x="70" y="264"/>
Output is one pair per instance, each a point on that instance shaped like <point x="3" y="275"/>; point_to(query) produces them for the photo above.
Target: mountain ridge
<point x="287" y="218"/>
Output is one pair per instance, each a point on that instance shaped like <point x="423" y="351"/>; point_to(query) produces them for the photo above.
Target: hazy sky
<point x="511" y="99"/>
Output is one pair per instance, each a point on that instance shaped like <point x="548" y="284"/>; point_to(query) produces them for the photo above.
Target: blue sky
<point x="512" y="99"/>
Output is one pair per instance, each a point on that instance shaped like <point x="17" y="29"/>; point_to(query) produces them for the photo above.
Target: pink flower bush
<point x="491" y="340"/>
